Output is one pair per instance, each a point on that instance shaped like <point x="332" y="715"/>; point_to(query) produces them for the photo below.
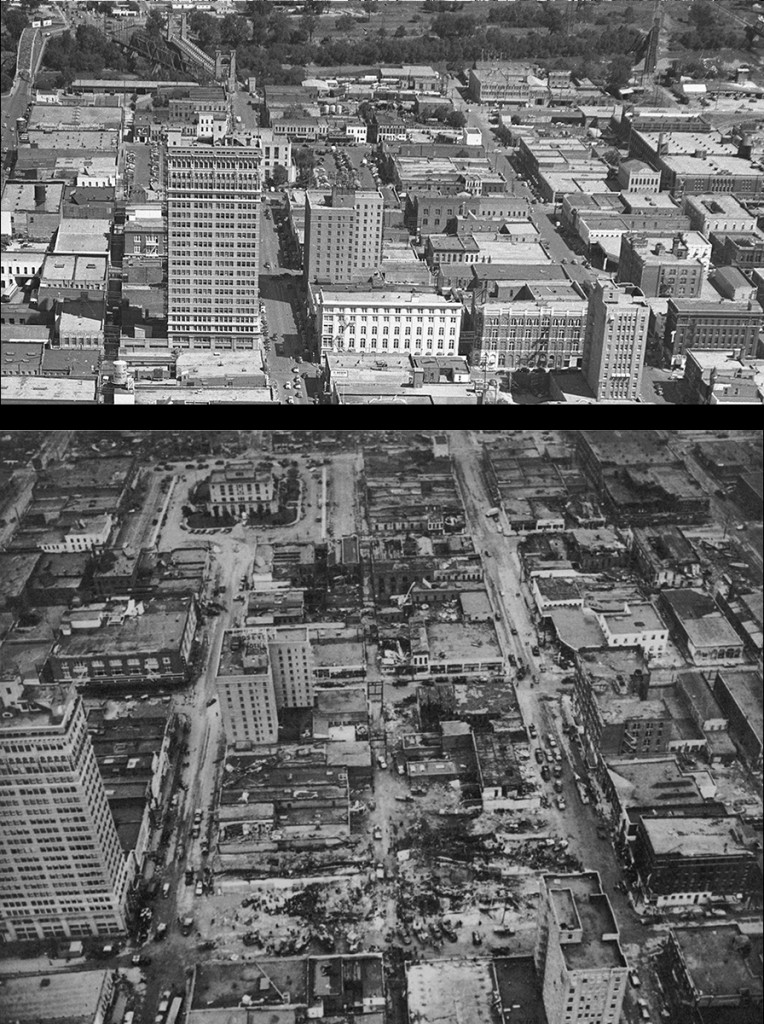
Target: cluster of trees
<point x="83" y="54"/>
<point x="710" y="29"/>
<point x="452" y="118"/>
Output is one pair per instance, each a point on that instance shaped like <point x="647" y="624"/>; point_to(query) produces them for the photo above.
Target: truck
<point x="492" y="513"/>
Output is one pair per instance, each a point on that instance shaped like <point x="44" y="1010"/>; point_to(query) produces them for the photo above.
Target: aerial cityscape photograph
<point x="381" y="726"/>
<point x="362" y="202"/>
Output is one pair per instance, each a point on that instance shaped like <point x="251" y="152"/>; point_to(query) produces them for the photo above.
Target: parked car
<point x="539" y="756"/>
<point x="561" y="803"/>
<point x="557" y="786"/>
<point x="633" y="976"/>
<point x="199" y="888"/>
<point x="545" y="775"/>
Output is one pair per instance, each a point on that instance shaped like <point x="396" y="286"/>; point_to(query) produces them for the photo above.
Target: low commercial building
<point x="637" y="176"/>
<point x="443" y="649"/>
<point x="739" y="694"/>
<point x="700" y="627"/>
<point x="686" y="860"/>
<point x="665" y="557"/>
<point x="240" y="489"/>
<point x="85" y="535"/>
<point x="718" y="213"/>
<point x="597" y="550"/>
<point x="738" y="250"/>
<point x="642" y="787"/>
<point x="639" y="481"/>
<point x="269" y="802"/>
<point x="475" y="989"/>
<point x="64" y="997"/>
<point x="123" y="643"/>
<point x="712" y="974"/>
<point x="638" y="624"/>
<point x="578" y="952"/>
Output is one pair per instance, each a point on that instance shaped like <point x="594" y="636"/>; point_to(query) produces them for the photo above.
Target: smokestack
<point x="39" y="194"/>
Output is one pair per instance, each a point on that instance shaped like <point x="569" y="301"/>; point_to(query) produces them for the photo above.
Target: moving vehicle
<point x="199" y="888"/>
<point x="166" y="891"/>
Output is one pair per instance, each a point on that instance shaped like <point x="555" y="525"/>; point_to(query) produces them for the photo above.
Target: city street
<point x="282" y="295"/>
<point x="538" y="694"/>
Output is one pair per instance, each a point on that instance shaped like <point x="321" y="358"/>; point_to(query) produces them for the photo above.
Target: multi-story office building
<point x="62" y="869"/>
<point x="686" y="860"/>
<point x="538" y="333"/>
<point x="240" y="489"/>
<point x="343" y="234"/>
<point x="213" y="241"/>
<point x="419" y="323"/>
<point x="661" y="265"/>
<point x="616" y="336"/>
<point x="578" y="954"/>
<point x="711" y="326"/>
<point x="245" y="689"/>
<point x="293" y="667"/>
<point x="116" y="644"/>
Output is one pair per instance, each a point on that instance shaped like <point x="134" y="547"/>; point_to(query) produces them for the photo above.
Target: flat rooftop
<point x="582" y="895"/>
<point x="220" y="985"/>
<point x="577" y="628"/>
<point x="638" y="617"/>
<point x="694" y="837"/>
<point x="470" y="641"/>
<point x="614" y="710"/>
<point x="39" y="998"/>
<point x="451" y="990"/>
<point x="715" y="961"/>
<point x="653" y="783"/>
<point x="160" y="627"/>
<point x="244" y="654"/>
<point x="15" y="571"/>
<point x="746" y="689"/>
<point x="31" y="390"/>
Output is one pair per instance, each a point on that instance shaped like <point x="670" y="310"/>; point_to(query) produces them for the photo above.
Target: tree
<point x="308" y="23"/>
<point x="234" y="31"/>
<point x="370" y="7"/>
<point x="155" y="24"/>
<point x="618" y="73"/>
<point x="400" y="32"/>
<point x="316" y="7"/>
<point x="456" y="119"/>
<point x="280" y="175"/>
<point x="345" y="23"/>
<point x="205" y="28"/>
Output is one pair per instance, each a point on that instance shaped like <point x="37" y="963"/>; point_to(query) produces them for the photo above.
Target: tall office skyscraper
<point x="213" y="242"/>
<point x="578" y="955"/>
<point x="343" y="234"/>
<point x="62" y="869"/>
<point x="616" y="336"/>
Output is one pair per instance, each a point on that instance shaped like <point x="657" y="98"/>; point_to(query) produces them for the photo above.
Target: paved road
<point x="282" y="294"/>
<point x="15" y="104"/>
